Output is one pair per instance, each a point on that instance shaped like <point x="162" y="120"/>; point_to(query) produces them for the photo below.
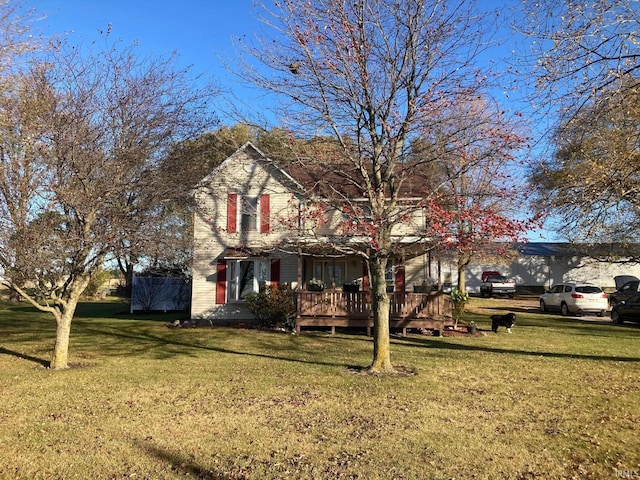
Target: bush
<point x="459" y="300"/>
<point x="316" y="285"/>
<point x="274" y="307"/>
<point x="97" y="283"/>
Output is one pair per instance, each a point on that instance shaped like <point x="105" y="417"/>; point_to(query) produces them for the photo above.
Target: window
<point x="390" y="276"/>
<point x="248" y="214"/>
<point x="394" y="275"/>
<point x="634" y="299"/>
<point x="244" y="277"/>
<point x="331" y="273"/>
<point x="588" y="289"/>
<point x="235" y="278"/>
<point x="356" y="218"/>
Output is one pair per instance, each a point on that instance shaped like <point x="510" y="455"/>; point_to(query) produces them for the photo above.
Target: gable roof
<point x="346" y="179"/>
<point x="323" y="178"/>
<point x="256" y="155"/>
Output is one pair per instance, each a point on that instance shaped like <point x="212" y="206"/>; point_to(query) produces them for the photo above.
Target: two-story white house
<point x="252" y="227"/>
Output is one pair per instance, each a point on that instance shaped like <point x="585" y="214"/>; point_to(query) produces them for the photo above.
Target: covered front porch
<point x="337" y="308"/>
<point x="333" y="291"/>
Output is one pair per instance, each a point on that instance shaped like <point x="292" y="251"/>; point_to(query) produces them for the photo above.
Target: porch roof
<point x="244" y="252"/>
<point x="342" y="245"/>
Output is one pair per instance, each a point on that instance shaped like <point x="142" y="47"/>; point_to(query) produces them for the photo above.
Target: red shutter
<point x="265" y="212"/>
<point x="232" y="213"/>
<point x="221" y="282"/>
<point x="399" y="276"/>
<point x="275" y="271"/>
<point x="365" y="277"/>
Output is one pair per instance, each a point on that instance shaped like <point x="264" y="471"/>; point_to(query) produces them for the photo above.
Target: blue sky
<point x="199" y="30"/>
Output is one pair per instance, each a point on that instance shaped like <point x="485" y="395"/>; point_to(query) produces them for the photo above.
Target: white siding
<point x="243" y="175"/>
<point x="416" y="272"/>
<point x="246" y="173"/>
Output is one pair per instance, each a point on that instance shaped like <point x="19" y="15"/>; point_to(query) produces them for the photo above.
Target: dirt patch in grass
<point x="462" y="333"/>
<point x="399" y="370"/>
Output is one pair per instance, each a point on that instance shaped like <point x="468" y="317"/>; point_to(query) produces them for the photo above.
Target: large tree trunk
<point x="60" y="357"/>
<point x="59" y="360"/>
<point x="126" y="268"/>
<point x="380" y="304"/>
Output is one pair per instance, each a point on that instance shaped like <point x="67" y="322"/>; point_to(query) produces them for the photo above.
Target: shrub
<point x="274" y="306"/>
<point x="459" y="300"/>
<point x="97" y="283"/>
<point x="316" y="285"/>
<point x="459" y="297"/>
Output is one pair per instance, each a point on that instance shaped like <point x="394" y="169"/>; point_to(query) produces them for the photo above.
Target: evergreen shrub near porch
<point x="273" y="307"/>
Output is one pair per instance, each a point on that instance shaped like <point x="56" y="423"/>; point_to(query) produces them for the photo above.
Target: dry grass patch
<point x="556" y="399"/>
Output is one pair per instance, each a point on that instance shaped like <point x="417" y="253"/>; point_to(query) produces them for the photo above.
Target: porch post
<point x="300" y="268"/>
<point x="299" y="302"/>
<point x="333" y="278"/>
<point x="440" y="292"/>
<point x="366" y="297"/>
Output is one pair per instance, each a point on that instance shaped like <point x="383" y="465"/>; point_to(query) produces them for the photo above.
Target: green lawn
<point x="558" y="398"/>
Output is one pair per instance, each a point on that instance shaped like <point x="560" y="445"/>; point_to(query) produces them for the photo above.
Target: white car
<point x="574" y="298"/>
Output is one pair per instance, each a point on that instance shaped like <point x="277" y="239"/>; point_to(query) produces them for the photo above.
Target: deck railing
<point x="357" y="305"/>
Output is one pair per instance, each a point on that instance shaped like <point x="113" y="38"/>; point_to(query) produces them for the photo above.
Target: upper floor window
<point x="248" y="213"/>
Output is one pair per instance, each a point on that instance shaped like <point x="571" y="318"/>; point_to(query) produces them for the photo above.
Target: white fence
<point x="160" y="294"/>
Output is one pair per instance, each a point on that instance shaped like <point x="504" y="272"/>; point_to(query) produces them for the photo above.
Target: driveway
<point x="531" y="304"/>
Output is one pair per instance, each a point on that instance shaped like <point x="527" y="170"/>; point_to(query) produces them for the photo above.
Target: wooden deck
<point x="335" y="308"/>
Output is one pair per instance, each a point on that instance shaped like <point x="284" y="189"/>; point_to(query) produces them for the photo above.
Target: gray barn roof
<point x="559" y="249"/>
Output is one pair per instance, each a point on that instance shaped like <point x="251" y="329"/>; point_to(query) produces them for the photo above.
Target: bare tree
<point x="586" y="62"/>
<point x="581" y="49"/>
<point x="19" y="175"/>
<point x="16" y="35"/>
<point x="83" y="136"/>
<point x="374" y="75"/>
<point x="592" y="182"/>
<point x="479" y="189"/>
